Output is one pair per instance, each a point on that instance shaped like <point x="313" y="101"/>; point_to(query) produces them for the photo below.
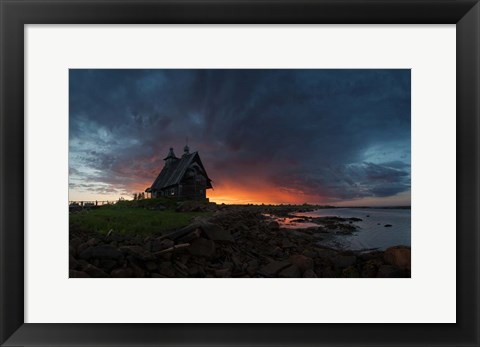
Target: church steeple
<point x="170" y="157"/>
<point x="186" y="149"/>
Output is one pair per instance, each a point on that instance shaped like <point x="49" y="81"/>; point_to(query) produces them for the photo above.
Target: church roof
<point x="173" y="173"/>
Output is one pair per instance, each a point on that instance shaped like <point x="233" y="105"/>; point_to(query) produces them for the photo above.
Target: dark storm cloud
<point x="341" y="134"/>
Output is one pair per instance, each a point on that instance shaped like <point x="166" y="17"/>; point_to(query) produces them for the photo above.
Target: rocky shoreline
<point x="236" y="242"/>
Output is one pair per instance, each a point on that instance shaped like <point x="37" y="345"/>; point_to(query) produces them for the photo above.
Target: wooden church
<point x="184" y="178"/>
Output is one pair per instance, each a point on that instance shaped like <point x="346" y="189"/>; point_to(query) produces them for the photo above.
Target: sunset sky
<point x="339" y="137"/>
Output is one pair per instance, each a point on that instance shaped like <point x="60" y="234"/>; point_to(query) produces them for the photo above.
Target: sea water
<point x="371" y="231"/>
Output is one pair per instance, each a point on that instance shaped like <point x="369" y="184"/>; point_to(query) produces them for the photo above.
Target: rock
<point x="351" y="272"/>
<point x="108" y="264"/>
<point x="273" y="225"/>
<point x="369" y="269"/>
<point x="74" y="243"/>
<point x="73" y="263"/>
<point x="274" y="267"/>
<point x="78" y="274"/>
<point x="215" y="232"/>
<point x="252" y="267"/>
<point x="240" y="227"/>
<point x="151" y="266"/>
<point x="160" y="244"/>
<point x="81" y="247"/>
<point x="309" y="274"/>
<point x="237" y="261"/>
<point x="202" y="247"/>
<point x="342" y="261"/>
<point x="277" y="252"/>
<point x="326" y="253"/>
<point x="226" y="272"/>
<point x="399" y="256"/>
<point x="286" y="243"/>
<point x="326" y="271"/>
<point x="388" y="271"/>
<point x="190" y="237"/>
<point x="138" y="271"/>
<point x="290" y="272"/>
<point x="137" y="252"/>
<point x="166" y="269"/>
<point x="302" y="262"/>
<point x="310" y="253"/>
<point x="174" y="235"/>
<point x="94" y="271"/>
<point x="101" y="252"/>
<point x="122" y="273"/>
<point x="196" y="271"/>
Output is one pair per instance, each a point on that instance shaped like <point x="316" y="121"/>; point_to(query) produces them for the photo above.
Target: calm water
<point x="371" y="233"/>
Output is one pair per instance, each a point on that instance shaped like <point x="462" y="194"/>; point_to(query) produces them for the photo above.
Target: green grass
<point x="132" y="218"/>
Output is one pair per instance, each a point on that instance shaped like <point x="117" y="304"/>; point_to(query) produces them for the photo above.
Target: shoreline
<point x="235" y="241"/>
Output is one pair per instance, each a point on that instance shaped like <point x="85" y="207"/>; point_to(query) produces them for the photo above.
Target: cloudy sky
<point x="274" y="136"/>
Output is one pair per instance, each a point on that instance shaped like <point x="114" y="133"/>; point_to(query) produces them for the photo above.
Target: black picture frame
<point x="17" y="13"/>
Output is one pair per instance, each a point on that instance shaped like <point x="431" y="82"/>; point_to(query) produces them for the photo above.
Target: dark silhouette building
<point x="183" y="178"/>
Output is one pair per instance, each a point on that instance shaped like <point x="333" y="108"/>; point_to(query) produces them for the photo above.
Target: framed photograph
<point x="239" y="173"/>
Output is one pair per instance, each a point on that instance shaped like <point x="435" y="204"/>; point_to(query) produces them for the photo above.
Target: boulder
<point x="151" y="266"/>
<point x="190" y="237"/>
<point x="159" y="244"/>
<point x="388" y="271"/>
<point x="166" y="269"/>
<point x="273" y="225"/>
<point x="274" y="267"/>
<point x="74" y="243"/>
<point x="108" y="264"/>
<point x="369" y="269"/>
<point x="101" y="252"/>
<point x="302" y="262"/>
<point x="252" y="267"/>
<point x="94" y="271"/>
<point x="202" y="248"/>
<point x="342" y="261"/>
<point x="137" y="252"/>
<point x="277" y="252"/>
<point x="310" y="253"/>
<point x="125" y="272"/>
<point x="78" y="274"/>
<point x="399" y="256"/>
<point x="196" y="271"/>
<point x="240" y="227"/>
<point x="216" y="233"/>
<point x="286" y="243"/>
<point x="225" y="272"/>
<point x="291" y="271"/>
<point x="325" y="253"/>
<point x="309" y="274"/>
<point x="73" y="263"/>
<point x="351" y="272"/>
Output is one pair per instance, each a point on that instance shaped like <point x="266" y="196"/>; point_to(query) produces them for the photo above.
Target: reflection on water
<point x="371" y="233"/>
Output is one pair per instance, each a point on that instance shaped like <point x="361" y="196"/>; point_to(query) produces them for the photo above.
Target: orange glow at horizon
<point x="234" y="193"/>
